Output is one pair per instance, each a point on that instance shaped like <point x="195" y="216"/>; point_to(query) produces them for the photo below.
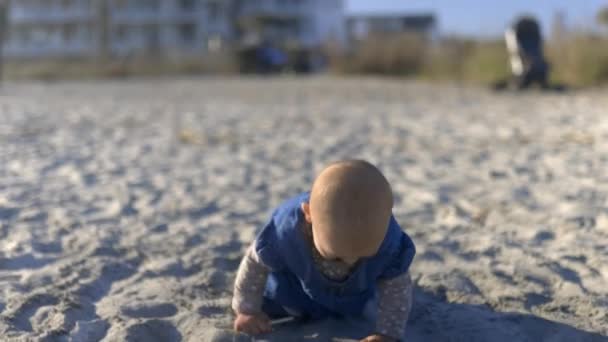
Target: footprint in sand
<point x="209" y="311"/>
<point x="215" y="307"/>
<point x="160" y="228"/>
<point x="534" y="299"/>
<point x="21" y="316"/>
<point x="89" y="331"/>
<point x="233" y="246"/>
<point x="227" y="264"/>
<point x="431" y="256"/>
<point x="217" y="281"/>
<point x="203" y="211"/>
<point x="47" y="247"/>
<point x="153" y="331"/>
<point x="100" y="286"/>
<point x="583" y="221"/>
<point x="7" y="213"/>
<point x="149" y="310"/>
<point x="24" y="261"/>
<point x="543" y="236"/>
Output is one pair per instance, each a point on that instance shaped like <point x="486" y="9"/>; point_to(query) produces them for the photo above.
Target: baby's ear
<point x="306" y="210"/>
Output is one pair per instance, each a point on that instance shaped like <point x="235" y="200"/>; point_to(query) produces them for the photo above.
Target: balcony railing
<point x="132" y="16"/>
<point x="44" y="16"/>
<point x="35" y="50"/>
<point x="49" y="16"/>
<point x="273" y="8"/>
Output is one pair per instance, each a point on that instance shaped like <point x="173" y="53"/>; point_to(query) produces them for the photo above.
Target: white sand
<point x="125" y="207"/>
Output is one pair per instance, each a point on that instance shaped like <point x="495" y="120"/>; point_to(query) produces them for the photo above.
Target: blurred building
<point x="305" y="23"/>
<point x="161" y="27"/>
<point x="361" y="26"/>
<point x="50" y="28"/>
<point x="66" y="28"/>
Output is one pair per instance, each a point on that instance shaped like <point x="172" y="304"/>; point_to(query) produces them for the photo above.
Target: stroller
<point x="525" y="45"/>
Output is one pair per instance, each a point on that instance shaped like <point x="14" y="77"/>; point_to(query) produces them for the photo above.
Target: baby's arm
<point x="394" y="305"/>
<point x="248" y="295"/>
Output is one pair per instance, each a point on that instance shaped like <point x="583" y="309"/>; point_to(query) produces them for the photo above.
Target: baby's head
<point x="349" y="210"/>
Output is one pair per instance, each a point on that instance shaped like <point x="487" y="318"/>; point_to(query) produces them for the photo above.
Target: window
<point x="120" y="4"/>
<point x="120" y="33"/>
<point x="85" y="4"/>
<point x="187" y="32"/>
<point x="85" y="33"/>
<point x="39" y="35"/>
<point x="293" y="29"/>
<point x="69" y="32"/>
<point x="151" y="5"/>
<point x="214" y="10"/>
<point x="152" y="37"/>
<point x="66" y="4"/>
<point x="22" y="34"/>
<point x="187" y="5"/>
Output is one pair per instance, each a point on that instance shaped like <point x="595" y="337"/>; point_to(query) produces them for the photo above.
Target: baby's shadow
<point x="433" y="319"/>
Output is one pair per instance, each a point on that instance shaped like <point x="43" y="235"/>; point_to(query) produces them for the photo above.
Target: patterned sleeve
<point x="249" y="284"/>
<point x="394" y="305"/>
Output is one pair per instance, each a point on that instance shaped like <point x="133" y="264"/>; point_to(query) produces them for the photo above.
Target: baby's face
<point x="332" y="244"/>
<point x="333" y="252"/>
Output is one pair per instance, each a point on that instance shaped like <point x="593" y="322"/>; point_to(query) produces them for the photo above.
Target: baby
<point x="336" y="251"/>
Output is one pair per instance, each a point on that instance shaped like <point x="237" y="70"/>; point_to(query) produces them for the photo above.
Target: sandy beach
<point x="126" y="206"/>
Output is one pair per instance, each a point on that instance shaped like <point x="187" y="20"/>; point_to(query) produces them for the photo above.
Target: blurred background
<point x="460" y="41"/>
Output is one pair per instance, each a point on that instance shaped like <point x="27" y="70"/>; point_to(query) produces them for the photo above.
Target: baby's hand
<point x="378" y="338"/>
<point x="252" y="324"/>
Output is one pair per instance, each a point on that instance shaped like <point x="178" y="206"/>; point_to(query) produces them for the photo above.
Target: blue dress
<point x="294" y="281"/>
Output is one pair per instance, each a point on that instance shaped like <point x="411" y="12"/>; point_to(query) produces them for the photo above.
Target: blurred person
<point x="525" y="44"/>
